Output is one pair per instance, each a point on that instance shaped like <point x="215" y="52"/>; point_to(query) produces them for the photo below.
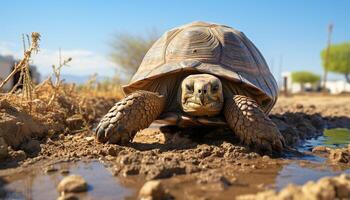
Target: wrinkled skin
<point x="201" y="95"/>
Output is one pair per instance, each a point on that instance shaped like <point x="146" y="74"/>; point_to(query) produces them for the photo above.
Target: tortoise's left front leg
<point x="131" y="114"/>
<point x="252" y="125"/>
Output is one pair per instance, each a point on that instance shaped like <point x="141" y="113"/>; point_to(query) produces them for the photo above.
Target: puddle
<point x="333" y="138"/>
<point x="39" y="185"/>
<point x="294" y="173"/>
<point x="301" y="173"/>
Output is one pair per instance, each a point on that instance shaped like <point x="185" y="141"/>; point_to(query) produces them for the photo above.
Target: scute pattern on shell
<point x="208" y="48"/>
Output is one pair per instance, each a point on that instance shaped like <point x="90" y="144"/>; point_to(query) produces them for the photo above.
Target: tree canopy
<point x="339" y="59"/>
<point x="128" y="50"/>
<point x="305" y="77"/>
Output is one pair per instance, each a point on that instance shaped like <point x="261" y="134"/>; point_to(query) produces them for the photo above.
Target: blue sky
<point x="293" y="30"/>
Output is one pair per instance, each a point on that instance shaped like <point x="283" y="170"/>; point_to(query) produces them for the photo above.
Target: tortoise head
<point x="202" y="95"/>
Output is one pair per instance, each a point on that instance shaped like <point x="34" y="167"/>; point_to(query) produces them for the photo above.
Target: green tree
<point x="339" y="59"/>
<point x="303" y="77"/>
<point x="128" y="50"/>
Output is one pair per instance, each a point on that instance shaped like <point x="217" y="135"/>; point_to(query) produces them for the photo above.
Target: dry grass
<point x="61" y="107"/>
<point x="23" y="68"/>
<point x="57" y="75"/>
<point x="107" y="88"/>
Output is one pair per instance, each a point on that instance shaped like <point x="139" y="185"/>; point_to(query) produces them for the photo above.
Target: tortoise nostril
<point x="199" y="91"/>
<point x="204" y="91"/>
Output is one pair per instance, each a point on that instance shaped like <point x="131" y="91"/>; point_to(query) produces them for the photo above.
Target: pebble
<point x="153" y="190"/>
<point x="266" y="157"/>
<point x="19" y="155"/>
<point x="90" y="138"/>
<point x="61" y="136"/>
<point x="299" y="106"/>
<point x="72" y="183"/>
<point x="50" y="169"/>
<point x="339" y="155"/>
<point x="320" y="149"/>
<point x="112" y="151"/>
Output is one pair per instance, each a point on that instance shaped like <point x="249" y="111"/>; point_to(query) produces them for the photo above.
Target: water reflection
<point x="38" y="185"/>
<point x="294" y="173"/>
<point x="338" y="137"/>
<point x="334" y="138"/>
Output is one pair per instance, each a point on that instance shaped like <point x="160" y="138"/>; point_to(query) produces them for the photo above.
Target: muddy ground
<point x="191" y="164"/>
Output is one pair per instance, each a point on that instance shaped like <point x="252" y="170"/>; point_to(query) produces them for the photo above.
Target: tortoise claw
<point x="127" y="117"/>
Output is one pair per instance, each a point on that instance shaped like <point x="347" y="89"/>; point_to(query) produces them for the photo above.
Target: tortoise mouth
<point x="195" y="104"/>
<point x="202" y="109"/>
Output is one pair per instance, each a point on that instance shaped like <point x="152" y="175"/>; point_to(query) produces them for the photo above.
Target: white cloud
<point x="83" y="62"/>
<point x="7" y="48"/>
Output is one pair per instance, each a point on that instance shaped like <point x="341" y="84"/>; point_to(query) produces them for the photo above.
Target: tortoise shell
<point x="208" y="48"/>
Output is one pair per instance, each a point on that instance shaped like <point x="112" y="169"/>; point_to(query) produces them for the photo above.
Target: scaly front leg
<point x="131" y="114"/>
<point x="251" y="124"/>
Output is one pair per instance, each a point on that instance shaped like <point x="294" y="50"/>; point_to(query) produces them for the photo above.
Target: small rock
<point x="320" y="149"/>
<point x="61" y="136"/>
<point x="72" y="183"/>
<point x="75" y="122"/>
<point x="109" y="158"/>
<point x="112" y="151"/>
<point x="300" y="106"/>
<point x="90" y="138"/>
<point x="3" y="148"/>
<point x="266" y="157"/>
<point x="131" y="170"/>
<point x="158" y="172"/>
<point x="339" y="155"/>
<point x="50" y="169"/>
<point x="153" y="190"/>
<point x="18" y="155"/>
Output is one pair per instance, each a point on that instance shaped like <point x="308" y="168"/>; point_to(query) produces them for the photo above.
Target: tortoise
<point x="199" y="74"/>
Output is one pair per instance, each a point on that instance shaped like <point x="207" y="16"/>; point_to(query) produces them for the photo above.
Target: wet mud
<point x="189" y="163"/>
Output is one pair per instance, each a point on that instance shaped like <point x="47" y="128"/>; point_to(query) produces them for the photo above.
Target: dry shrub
<point x="23" y="67"/>
<point x="61" y="107"/>
<point x="68" y="111"/>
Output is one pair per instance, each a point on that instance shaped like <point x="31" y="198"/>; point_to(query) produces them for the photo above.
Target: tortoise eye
<point x="215" y="88"/>
<point x="189" y="88"/>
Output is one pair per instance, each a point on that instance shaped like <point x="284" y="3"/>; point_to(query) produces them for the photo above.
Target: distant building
<point x="338" y="86"/>
<point x="333" y="86"/>
<point x="7" y="64"/>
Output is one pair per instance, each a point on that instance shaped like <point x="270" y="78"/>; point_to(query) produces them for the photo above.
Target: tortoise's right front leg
<point x="131" y="114"/>
<point x="252" y="125"/>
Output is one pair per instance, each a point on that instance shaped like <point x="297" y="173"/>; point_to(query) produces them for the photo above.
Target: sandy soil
<point x="192" y="164"/>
